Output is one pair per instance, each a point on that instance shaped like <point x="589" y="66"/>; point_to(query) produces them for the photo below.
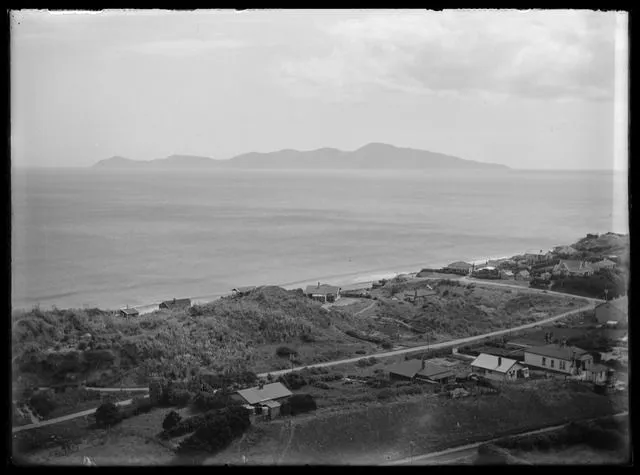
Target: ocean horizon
<point x="90" y="238"/>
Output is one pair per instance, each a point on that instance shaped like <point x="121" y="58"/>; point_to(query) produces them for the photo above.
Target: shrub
<point x="321" y="385"/>
<point x="293" y="381"/>
<point x="218" y="431"/>
<point x="299" y="403"/>
<point x="206" y="401"/>
<point x="361" y="352"/>
<point x="43" y="403"/>
<point x="171" y="420"/>
<point x="387" y="345"/>
<point x="107" y="414"/>
<point x="385" y="394"/>
<point x="307" y="338"/>
<point x="331" y="377"/>
<point x="285" y="351"/>
<point x="141" y="405"/>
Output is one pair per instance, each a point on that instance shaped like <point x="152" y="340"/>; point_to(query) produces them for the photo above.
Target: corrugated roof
<point x="323" y="289"/>
<point x="490" y="362"/>
<point x="432" y="370"/>
<point x="557" y="351"/>
<point x="268" y="392"/>
<point x="407" y="368"/>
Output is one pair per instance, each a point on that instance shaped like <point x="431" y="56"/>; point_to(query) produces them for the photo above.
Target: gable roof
<point x="323" y="289"/>
<point x="412" y="368"/>
<point x="175" y="303"/>
<point x="573" y="265"/>
<point x="490" y="362"/>
<point x="434" y="371"/>
<point x="129" y="311"/>
<point x="268" y="392"/>
<point x="557" y="351"/>
<point x="244" y="289"/>
<point x="459" y="265"/>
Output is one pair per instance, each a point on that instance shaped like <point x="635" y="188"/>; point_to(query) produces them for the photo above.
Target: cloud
<point x="185" y="46"/>
<point x="537" y="54"/>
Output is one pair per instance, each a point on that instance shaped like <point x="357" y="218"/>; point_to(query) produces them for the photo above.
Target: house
<point x="534" y="257"/>
<point x="240" y="291"/>
<point x="458" y="267"/>
<point x="498" y="368"/>
<point x="176" y="304"/>
<point x="129" y="312"/>
<point x="265" y="399"/>
<point x="603" y="264"/>
<point x="523" y="275"/>
<point x="506" y="274"/>
<point x="420" y="370"/>
<point x="615" y="310"/>
<point x="597" y="374"/>
<point x="572" y="267"/>
<point x="487" y="272"/>
<point x="418" y="295"/>
<point x="560" y="358"/>
<point x="323" y="293"/>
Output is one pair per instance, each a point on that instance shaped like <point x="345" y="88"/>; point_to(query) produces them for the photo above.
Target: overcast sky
<point x="526" y="89"/>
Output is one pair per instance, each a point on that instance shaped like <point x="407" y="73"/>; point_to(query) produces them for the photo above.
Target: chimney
<point x="499" y="361"/>
<point x="261" y="384"/>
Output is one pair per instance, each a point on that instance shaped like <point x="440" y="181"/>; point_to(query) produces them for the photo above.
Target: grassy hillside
<point x="221" y="336"/>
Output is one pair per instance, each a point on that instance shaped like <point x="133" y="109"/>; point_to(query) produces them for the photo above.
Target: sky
<point x="528" y="89"/>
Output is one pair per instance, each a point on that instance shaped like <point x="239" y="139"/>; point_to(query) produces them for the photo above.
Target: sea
<point x="110" y="239"/>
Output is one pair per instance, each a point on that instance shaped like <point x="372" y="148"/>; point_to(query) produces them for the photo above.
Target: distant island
<point x="374" y="156"/>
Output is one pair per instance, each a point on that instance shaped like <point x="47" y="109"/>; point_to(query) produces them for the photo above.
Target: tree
<point x="107" y="414"/>
<point x="171" y="420"/>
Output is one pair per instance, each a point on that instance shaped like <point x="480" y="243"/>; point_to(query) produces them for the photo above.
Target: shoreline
<point x="353" y="278"/>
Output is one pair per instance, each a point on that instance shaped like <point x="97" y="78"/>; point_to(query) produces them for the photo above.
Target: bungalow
<point x="559" y="358"/>
<point x="487" y="272"/>
<point x="420" y="370"/>
<point x="572" y="267"/>
<point x="603" y="264"/>
<point x="264" y="399"/>
<point x="240" y="291"/>
<point x="458" y="267"/>
<point x="323" y="293"/>
<point x="498" y="368"/>
<point x="613" y="311"/>
<point x="418" y="295"/>
<point x="176" y="304"/>
<point x="523" y="275"/>
<point x="534" y="257"/>
<point x="129" y="312"/>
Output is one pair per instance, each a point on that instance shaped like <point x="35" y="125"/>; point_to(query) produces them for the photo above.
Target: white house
<point x="323" y="292"/>
<point x="498" y="368"/>
<point x="560" y="358"/>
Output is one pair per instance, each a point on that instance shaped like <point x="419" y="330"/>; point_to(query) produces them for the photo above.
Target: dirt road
<point x="435" y="346"/>
<point x="57" y="420"/>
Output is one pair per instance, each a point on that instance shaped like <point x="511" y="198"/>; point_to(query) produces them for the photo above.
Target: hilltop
<point x="374" y="156"/>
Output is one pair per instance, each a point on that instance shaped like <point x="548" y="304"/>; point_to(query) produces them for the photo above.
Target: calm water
<point x="82" y="237"/>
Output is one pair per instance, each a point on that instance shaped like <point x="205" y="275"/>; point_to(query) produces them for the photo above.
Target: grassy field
<point x="376" y="433"/>
<point x="576" y="455"/>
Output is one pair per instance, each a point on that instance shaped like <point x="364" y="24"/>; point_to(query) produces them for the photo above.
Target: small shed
<point x="129" y="312"/>
<point x="265" y="398"/>
<point x="176" y="304"/>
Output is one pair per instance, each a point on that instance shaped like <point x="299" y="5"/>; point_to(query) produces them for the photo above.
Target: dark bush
<point x="361" y="352"/>
<point x="180" y="397"/>
<point x="299" y="403"/>
<point x="205" y="401"/>
<point x="108" y="414"/>
<point x="285" y="351"/>
<point x="307" y="338"/>
<point x="171" y="420"/>
<point x="293" y="381"/>
<point x="142" y="405"/>
<point x="321" y="385"/>
<point x="218" y="431"/>
<point x="385" y="394"/>
<point x="331" y="377"/>
<point x="43" y="403"/>
<point x="387" y="345"/>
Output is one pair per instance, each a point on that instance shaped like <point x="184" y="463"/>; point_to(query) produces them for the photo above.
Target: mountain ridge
<point x="372" y="156"/>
